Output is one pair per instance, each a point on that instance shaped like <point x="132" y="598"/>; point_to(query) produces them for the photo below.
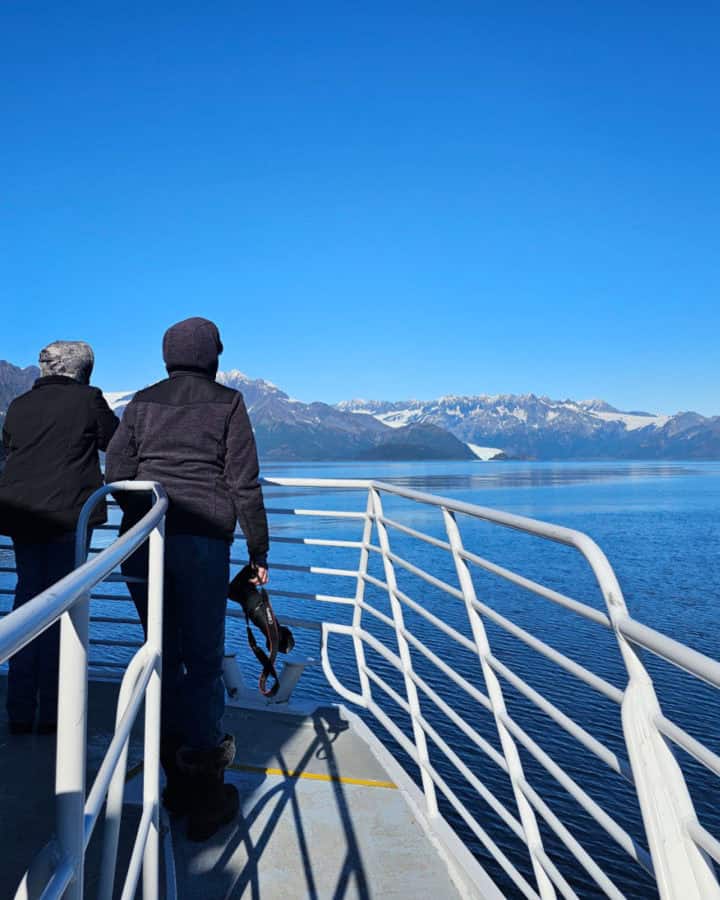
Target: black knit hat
<point x="192" y="344"/>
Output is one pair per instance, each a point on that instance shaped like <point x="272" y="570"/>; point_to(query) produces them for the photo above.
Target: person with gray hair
<point x="52" y="436"/>
<point x="73" y="359"/>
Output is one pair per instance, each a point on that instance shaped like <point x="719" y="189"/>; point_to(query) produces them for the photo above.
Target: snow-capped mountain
<point x="527" y="425"/>
<point x="472" y="416"/>
<point x="286" y="428"/>
<point x="118" y="400"/>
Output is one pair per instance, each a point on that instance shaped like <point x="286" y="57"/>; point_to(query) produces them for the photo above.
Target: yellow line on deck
<point x="292" y="773"/>
<point x="314" y="776"/>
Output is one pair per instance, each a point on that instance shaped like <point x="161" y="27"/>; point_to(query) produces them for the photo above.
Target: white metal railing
<point x="58" y="870"/>
<point x="680" y="848"/>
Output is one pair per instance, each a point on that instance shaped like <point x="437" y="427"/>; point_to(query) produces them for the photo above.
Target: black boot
<point x="212" y="802"/>
<point x="177" y="793"/>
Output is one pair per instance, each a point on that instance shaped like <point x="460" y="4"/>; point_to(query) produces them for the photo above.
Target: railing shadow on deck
<point x="245" y="863"/>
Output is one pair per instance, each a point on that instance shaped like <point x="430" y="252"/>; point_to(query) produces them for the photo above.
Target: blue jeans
<point x="33" y="671"/>
<point x="197" y="571"/>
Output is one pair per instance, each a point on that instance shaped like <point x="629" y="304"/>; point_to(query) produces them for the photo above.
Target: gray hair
<point x="74" y="359"/>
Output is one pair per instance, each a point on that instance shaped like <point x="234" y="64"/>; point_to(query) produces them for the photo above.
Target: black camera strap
<point x="272" y="638"/>
<point x="258" y="610"/>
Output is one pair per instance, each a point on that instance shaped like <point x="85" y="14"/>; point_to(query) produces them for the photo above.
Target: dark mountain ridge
<point x="14" y="381"/>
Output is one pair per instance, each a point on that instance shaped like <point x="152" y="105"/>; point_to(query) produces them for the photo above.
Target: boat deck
<point x="321" y="814"/>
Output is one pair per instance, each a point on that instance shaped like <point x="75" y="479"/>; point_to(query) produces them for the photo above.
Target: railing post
<point x="404" y="651"/>
<point x="71" y="748"/>
<point x="365" y="689"/>
<point x="682" y="868"/>
<point x="494" y="690"/>
<point x="116" y="788"/>
<point x="151" y="775"/>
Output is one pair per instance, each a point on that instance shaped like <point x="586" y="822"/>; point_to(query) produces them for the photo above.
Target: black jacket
<point x="52" y="435"/>
<point x="193" y="435"/>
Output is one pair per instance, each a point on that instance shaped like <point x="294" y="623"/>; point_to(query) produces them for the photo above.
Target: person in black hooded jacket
<point x="194" y="436"/>
<point x="52" y="436"/>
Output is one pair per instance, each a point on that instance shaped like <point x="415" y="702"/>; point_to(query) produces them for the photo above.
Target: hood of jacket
<point x="70" y="359"/>
<point x="192" y="344"/>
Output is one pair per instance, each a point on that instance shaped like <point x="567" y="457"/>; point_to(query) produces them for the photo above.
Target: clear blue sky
<point x="371" y="199"/>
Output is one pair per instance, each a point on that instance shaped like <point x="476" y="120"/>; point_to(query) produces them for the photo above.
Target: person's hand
<point x="261" y="575"/>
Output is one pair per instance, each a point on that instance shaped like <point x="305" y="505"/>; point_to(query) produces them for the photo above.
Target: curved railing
<point x="60" y="865"/>
<point x="680" y="848"/>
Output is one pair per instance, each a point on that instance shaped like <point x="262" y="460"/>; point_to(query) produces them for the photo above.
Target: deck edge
<point x="466" y="873"/>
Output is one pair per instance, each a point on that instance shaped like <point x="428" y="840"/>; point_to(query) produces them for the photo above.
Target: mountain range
<point x="530" y="427"/>
<point x="481" y="426"/>
<point x="287" y="429"/>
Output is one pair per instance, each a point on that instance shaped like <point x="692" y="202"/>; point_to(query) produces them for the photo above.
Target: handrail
<point x="68" y="600"/>
<point x="24" y="624"/>
<point x="673" y="651"/>
<point x="679" y="846"/>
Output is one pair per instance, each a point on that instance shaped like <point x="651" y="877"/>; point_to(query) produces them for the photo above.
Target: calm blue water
<point x="658" y="523"/>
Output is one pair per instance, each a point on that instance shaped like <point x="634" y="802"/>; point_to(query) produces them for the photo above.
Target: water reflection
<point x="449" y="476"/>
<point x="535" y="477"/>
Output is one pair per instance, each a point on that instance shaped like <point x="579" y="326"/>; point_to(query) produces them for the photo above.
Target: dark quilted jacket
<point x="194" y="436"/>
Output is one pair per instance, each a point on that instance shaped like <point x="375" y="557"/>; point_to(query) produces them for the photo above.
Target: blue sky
<point x="379" y="200"/>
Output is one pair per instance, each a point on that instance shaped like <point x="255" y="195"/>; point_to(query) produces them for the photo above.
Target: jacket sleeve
<point x="106" y="420"/>
<point x="241" y="476"/>
<point x="121" y="459"/>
